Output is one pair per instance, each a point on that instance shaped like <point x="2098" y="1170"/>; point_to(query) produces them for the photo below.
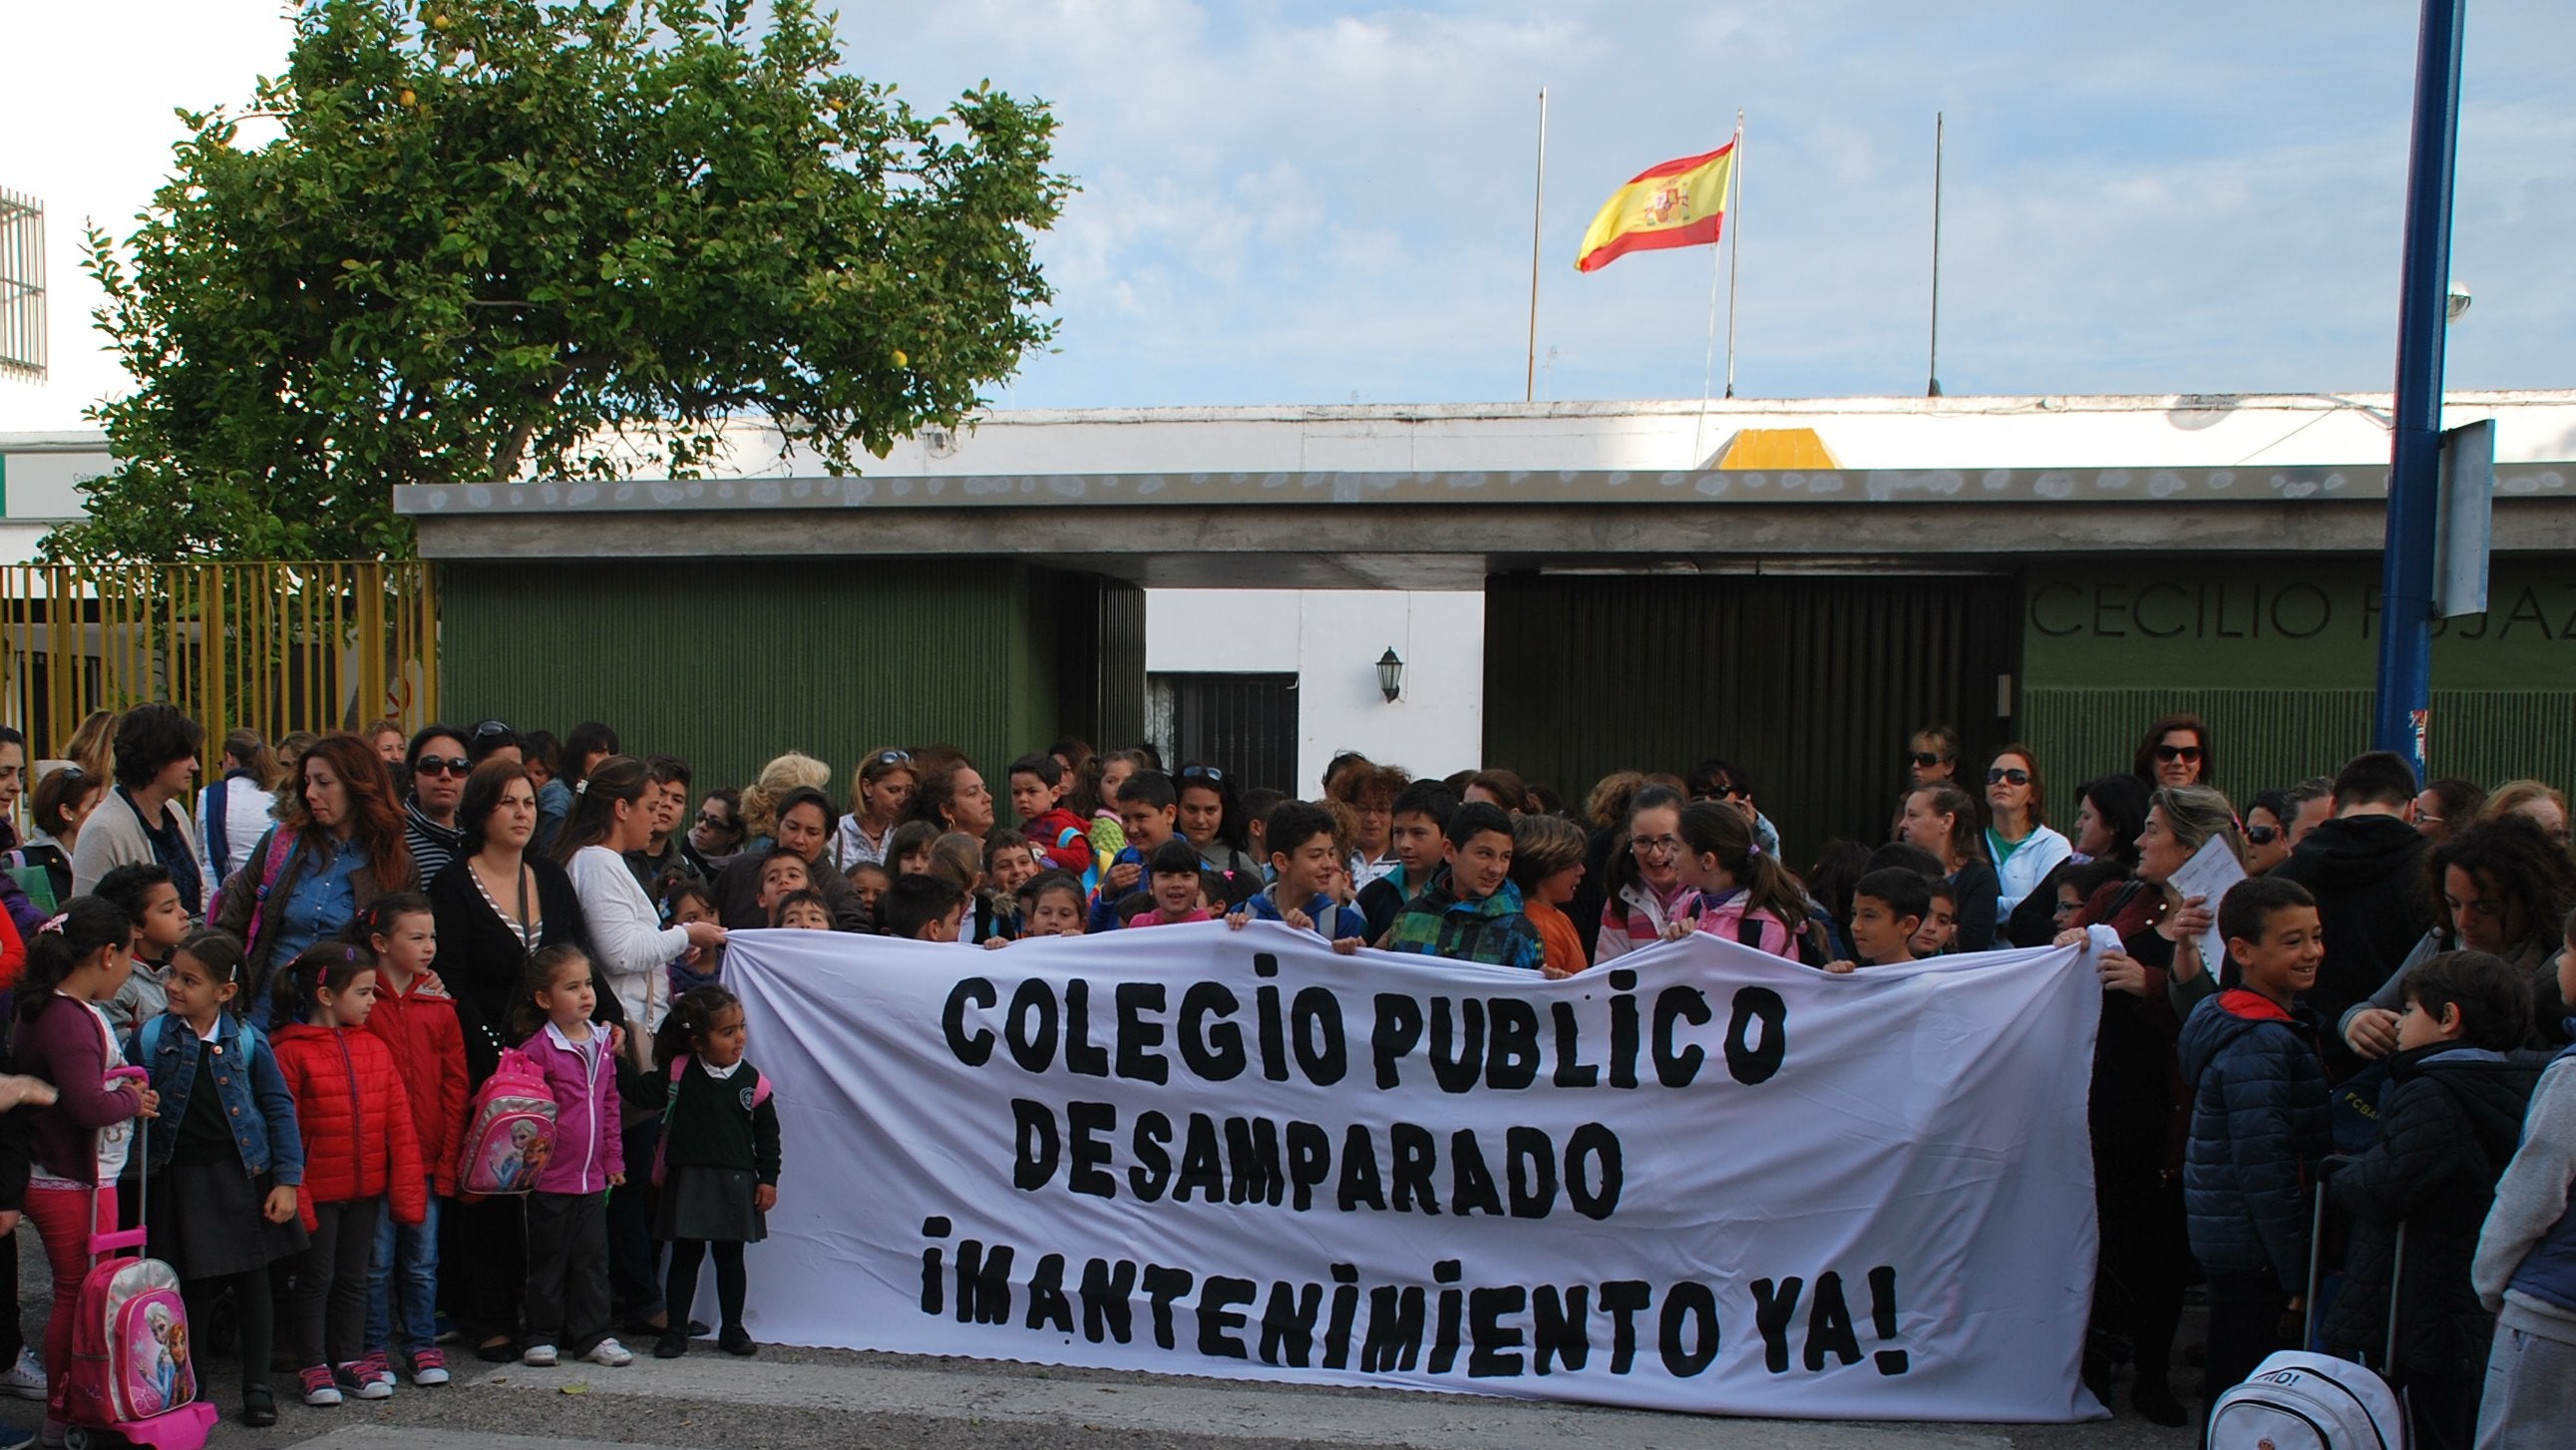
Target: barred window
<point x="22" y="286"/>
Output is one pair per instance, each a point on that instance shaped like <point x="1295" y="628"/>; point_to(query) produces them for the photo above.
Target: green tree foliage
<point x="496" y="239"/>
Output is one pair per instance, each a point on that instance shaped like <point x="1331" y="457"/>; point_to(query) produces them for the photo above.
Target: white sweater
<point x="631" y="948"/>
<point x="2039" y="853"/>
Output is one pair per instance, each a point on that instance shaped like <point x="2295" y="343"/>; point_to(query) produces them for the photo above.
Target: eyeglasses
<point x="492" y="730"/>
<point x="715" y="822"/>
<point x="2262" y="835"/>
<point x="892" y="757"/>
<point x="2491" y="910"/>
<point x="1998" y="777"/>
<point x="1926" y="758"/>
<point x="442" y="765"/>
<point x="1204" y="772"/>
<point x="1655" y="845"/>
<point x="2172" y="753"/>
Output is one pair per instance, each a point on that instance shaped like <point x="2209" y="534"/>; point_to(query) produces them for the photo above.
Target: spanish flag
<point x="1678" y="204"/>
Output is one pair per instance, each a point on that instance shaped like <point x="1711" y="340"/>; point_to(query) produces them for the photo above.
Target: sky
<point x="1303" y="203"/>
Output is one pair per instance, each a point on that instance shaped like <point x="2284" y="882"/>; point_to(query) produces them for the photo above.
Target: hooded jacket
<point x="420" y="1027"/>
<point x="589" y="1148"/>
<point x="2259" y="1125"/>
<point x="355" y="1119"/>
<point x="2367" y="873"/>
<point x="2526" y="1264"/>
<point x="2448" y="1126"/>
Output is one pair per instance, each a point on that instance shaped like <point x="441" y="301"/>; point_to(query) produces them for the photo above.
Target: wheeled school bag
<point x="510" y="1133"/>
<point x="2302" y="1400"/>
<point x="131" y="1374"/>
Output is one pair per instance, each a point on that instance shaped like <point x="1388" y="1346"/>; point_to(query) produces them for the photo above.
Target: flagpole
<point x="1934" y="371"/>
<point x="1734" y="225"/>
<point x="1538" y="200"/>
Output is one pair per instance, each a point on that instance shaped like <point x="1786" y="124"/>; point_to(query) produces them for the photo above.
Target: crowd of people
<point x="362" y="932"/>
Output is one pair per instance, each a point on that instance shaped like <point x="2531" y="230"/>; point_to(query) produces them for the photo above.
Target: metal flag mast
<point x="1734" y="247"/>
<point x="1934" y="371"/>
<point x="1538" y="202"/>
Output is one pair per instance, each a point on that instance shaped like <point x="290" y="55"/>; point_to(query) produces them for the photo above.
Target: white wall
<point x="1331" y="640"/>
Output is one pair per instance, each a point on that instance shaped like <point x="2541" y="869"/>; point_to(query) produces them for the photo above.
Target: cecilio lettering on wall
<point x="2230" y="609"/>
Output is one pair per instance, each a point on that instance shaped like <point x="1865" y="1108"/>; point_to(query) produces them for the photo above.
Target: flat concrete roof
<point x="1424" y="530"/>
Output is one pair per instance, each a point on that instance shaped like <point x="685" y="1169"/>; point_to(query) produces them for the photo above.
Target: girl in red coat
<point x="417" y="1020"/>
<point x="360" y="1150"/>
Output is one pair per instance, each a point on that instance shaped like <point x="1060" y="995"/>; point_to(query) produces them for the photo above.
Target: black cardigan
<point x="483" y="962"/>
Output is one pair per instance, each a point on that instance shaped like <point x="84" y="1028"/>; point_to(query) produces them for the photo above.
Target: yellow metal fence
<point x="274" y="647"/>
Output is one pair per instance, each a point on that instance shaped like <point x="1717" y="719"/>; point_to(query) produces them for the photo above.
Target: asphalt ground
<point x="795" y="1398"/>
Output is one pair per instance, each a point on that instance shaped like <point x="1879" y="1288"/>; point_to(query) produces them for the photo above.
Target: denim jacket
<point x="247" y="1083"/>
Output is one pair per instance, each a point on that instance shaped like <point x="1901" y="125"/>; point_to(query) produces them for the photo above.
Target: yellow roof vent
<point x="1776" y="448"/>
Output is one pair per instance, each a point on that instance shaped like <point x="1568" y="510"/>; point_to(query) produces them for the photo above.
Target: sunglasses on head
<point x="894" y="757"/>
<point x="1999" y="776"/>
<point x="442" y="765"/>
<point x="1204" y="772"/>
<point x="492" y="730"/>
<point x="1926" y="758"/>
<point x="2262" y="835"/>
<point x="2171" y="753"/>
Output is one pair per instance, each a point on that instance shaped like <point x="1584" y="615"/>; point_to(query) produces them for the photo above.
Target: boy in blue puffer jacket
<point x="2258" y="1127"/>
<point x="2526" y="1264"/>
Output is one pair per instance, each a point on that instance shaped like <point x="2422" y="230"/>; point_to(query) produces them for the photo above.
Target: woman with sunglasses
<point x="1942" y="819"/>
<point x="436" y="764"/>
<point x="880" y="797"/>
<point x="2175" y="752"/>
<point x="2024" y="847"/>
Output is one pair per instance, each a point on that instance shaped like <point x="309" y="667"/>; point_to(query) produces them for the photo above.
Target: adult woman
<point x="1210" y="818"/>
<point x="2135" y="1090"/>
<point x="955" y="798"/>
<point x="2025" y="849"/>
<point x="494" y="905"/>
<point x="1932" y="756"/>
<point x="142" y="823"/>
<point x="2267" y="831"/>
<point x="93" y="744"/>
<point x="2108" y="817"/>
<point x="1943" y="820"/>
<point x="1502" y="789"/>
<point x="434" y="769"/>
<point x="60" y="804"/>
<point x="2502" y="887"/>
<point x="1646" y="890"/>
<point x="2446" y="805"/>
<point x="308" y="878"/>
<point x="2175" y="751"/>
<point x="628" y="943"/>
<point x="2535" y="800"/>
<point x="715" y="838"/>
<point x="880" y="794"/>
<point x="1731" y="784"/>
<point x="804" y="826"/>
<point x="232" y="812"/>
<point x="793" y="771"/>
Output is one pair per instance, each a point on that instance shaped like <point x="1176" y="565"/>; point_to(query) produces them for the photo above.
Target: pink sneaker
<point x="429" y="1367"/>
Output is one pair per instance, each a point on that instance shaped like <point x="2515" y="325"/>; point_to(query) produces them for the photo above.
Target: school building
<point x="1562" y="588"/>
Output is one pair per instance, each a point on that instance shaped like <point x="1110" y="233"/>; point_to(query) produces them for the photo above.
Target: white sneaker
<point x="539" y="1356"/>
<point x="610" y="1353"/>
<point x="26" y="1378"/>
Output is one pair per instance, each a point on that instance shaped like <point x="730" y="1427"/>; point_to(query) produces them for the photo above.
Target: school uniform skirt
<point x="206" y="1221"/>
<point x="712" y="1204"/>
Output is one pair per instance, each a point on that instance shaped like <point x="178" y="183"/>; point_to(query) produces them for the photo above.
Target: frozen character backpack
<point x="130" y="1372"/>
<point x="510" y="1132"/>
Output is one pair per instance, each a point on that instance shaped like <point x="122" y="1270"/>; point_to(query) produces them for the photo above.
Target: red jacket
<point x="1061" y="841"/>
<point x="355" y="1117"/>
<point x="428" y="1045"/>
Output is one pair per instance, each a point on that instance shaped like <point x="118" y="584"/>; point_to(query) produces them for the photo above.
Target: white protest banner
<point x="1707" y="1180"/>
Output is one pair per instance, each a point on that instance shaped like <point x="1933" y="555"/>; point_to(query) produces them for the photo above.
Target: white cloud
<point x="1287" y="201"/>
